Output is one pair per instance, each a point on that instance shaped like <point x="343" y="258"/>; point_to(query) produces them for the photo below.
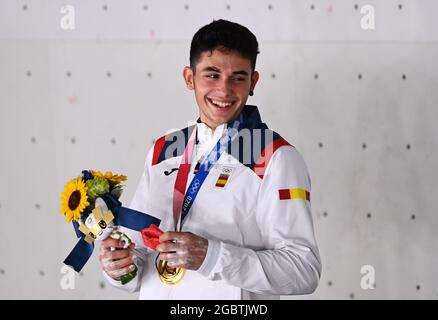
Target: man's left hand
<point x="185" y="249"/>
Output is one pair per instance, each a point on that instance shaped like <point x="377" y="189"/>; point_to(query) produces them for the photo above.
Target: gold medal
<point x="168" y="275"/>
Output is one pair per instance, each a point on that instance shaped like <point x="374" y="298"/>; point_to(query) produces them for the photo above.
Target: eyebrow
<point x="216" y="69"/>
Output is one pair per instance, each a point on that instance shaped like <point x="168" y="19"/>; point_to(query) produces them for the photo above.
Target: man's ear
<point x="188" y="77"/>
<point x="254" y="78"/>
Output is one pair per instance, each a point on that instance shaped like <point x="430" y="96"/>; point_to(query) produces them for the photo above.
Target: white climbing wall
<point x="359" y="104"/>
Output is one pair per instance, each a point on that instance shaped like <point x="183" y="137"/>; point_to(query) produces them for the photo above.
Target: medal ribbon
<point x="182" y="201"/>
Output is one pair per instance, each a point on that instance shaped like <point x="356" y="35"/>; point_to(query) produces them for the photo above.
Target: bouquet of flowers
<point x="81" y="203"/>
<point x="79" y="197"/>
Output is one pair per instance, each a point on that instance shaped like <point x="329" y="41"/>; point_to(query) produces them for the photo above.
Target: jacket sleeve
<point x="140" y="203"/>
<point x="289" y="263"/>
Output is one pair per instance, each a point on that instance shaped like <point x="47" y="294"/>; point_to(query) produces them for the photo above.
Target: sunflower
<point x="74" y="199"/>
<point x="114" y="179"/>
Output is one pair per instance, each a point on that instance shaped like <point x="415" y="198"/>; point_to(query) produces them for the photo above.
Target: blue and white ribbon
<point x="123" y="216"/>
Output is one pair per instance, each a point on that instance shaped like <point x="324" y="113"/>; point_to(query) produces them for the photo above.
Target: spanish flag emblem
<point x="224" y="177"/>
<point x="288" y="194"/>
<point x="222" y="181"/>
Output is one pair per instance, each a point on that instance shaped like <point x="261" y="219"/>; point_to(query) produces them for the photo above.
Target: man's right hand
<point x="118" y="262"/>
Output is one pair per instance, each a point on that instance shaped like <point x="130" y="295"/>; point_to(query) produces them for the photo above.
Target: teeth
<point x="221" y="104"/>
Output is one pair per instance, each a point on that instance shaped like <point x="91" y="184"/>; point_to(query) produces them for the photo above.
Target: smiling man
<point x="222" y="80"/>
<point x="233" y="196"/>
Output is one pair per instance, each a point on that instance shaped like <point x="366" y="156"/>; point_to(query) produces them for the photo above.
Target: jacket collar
<point x="249" y="115"/>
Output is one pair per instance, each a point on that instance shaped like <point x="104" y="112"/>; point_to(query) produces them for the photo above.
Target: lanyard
<point x="182" y="201"/>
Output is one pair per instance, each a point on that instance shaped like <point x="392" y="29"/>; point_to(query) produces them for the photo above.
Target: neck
<point x="210" y="125"/>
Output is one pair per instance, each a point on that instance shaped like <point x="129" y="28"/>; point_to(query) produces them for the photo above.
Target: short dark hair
<point x="224" y="35"/>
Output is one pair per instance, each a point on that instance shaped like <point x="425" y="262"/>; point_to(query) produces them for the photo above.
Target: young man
<point x="232" y="195"/>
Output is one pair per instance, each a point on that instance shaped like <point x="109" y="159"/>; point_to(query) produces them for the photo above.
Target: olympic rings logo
<point x="227" y="170"/>
<point x="195" y="186"/>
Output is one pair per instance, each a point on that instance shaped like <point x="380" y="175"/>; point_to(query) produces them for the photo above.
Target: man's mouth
<point x="221" y="104"/>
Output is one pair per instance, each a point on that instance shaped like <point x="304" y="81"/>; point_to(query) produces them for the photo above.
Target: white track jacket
<point x="255" y="214"/>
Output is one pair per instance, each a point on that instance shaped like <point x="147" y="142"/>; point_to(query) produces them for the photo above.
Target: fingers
<point x="168" y="247"/>
<point x="109" y="242"/>
<point x="116" y="274"/>
<point x="180" y="252"/>
<point x="170" y="236"/>
<point x="186" y="250"/>
<point x="116" y="263"/>
<point x="175" y="261"/>
<point x="109" y="245"/>
<point x="116" y="268"/>
<point x="116" y="254"/>
<point x="107" y="258"/>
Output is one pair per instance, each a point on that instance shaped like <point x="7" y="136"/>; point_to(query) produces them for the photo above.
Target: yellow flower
<point x="74" y="199"/>
<point x="109" y="176"/>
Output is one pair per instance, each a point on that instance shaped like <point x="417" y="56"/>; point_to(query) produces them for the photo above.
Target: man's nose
<point x="225" y="85"/>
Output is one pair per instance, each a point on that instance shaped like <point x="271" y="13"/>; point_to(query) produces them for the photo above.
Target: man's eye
<point x="239" y="78"/>
<point x="212" y="76"/>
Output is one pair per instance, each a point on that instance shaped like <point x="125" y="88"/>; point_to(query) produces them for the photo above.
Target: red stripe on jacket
<point x="262" y="162"/>
<point x="158" y="148"/>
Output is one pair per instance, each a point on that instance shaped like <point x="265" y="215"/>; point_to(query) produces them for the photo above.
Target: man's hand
<point x="186" y="250"/>
<point x="118" y="262"/>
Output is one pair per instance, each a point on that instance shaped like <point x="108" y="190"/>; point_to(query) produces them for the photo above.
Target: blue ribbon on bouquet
<point x="123" y="216"/>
